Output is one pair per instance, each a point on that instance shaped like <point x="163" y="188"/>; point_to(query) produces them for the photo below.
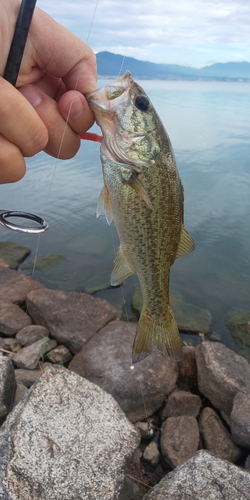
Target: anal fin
<point x="186" y="243"/>
<point x="121" y="269"/>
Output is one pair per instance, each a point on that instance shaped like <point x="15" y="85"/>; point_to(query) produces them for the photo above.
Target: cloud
<point x="183" y="32"/>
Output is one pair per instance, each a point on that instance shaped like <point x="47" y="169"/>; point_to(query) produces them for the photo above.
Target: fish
<point x="144" y="196"/>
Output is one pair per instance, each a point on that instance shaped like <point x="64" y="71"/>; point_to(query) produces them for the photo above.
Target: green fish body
<point x="143" y="195"/>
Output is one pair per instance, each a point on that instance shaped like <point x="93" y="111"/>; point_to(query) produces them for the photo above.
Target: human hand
<point x="56" y="70"/>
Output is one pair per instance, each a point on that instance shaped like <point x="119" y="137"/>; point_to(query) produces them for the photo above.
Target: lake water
<point x="209" y="127"/>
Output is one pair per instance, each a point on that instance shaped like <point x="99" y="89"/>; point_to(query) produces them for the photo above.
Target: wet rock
<point x="12" y="318"/>
<point x="7" y="387"/>
<point x="187" y="369"/>
<point x="72" y="318"/>
<point x="216" y="438"/>
<point x="10" y="344"/>
<point x="189" y="317"/>
<point x="30" y="334"/>
<point x="240" y="419"/>
<point x="179" y="439"/>
<point x="237" y="323"/>
<point x="60" y="355"/>
<point x="13" y="254"/>
<point x="181" y="403"/>
<point x="29" y="356"/>
<point x="21" y="390"/>
<point x="106" y="361"/>
<point x="68" y="439"/>
<point x="27" y="377"/>
<point x="203" y="477"/>
<point x="15" y="286"/>
<point x="45" y="263"/>
<point x="151" y="454"/>
<point x="221" y="374"/>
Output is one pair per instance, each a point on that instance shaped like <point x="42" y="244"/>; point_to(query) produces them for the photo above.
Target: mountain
<point x="110" y="65"/>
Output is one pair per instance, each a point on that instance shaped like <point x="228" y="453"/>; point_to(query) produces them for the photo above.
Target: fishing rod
<point x="10" y="75"/>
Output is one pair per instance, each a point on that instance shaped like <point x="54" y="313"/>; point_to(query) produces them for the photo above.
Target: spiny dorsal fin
<point x="104" y="205"/>
<point x="121" y="269"/>
<point x="186" y="243"/>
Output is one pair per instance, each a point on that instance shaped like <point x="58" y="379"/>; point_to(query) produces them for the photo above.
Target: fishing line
<point x="64" y="130"/>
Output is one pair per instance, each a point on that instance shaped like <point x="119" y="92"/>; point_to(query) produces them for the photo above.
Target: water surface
<point x="209" y="127"/>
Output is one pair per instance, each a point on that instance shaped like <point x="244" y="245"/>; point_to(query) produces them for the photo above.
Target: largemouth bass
<point x="143" y="195"/>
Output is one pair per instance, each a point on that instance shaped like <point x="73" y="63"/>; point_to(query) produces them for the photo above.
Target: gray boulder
<point x="60" y="355"/>
<point x="12" y="318"/>
<point x="7" y="387"/>
<point x="179" y="439"/>
<point x="203" y="477"/>
<point x="72" y="318"/>
<point x="28" y="357"/>
<point x="181" y="403"/>
<point x="221" y="374"/>
<point x="216" y="438"/>
<point x="240" y="419"/>
<point x="27" y="377"/>
<point x="151" y="454"/>
<point x="66" y="440"/>
<point x="15" y="286"/>
<point x="106" y="361"/>
<point x="30" y="334"/>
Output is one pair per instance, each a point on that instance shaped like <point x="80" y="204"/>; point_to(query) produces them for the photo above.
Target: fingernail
<point x="76" y="108"/>
<point x="32" y="95"/>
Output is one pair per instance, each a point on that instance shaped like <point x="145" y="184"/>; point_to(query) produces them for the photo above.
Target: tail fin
<point x="160" y="333"/>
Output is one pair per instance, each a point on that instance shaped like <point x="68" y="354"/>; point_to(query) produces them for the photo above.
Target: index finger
<point x="56" y="50"/>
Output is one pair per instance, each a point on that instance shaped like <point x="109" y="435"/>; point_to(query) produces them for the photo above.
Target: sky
<point x="193" y="33"/>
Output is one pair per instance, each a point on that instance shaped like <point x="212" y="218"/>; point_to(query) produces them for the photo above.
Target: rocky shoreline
<point x="79" y="423"/>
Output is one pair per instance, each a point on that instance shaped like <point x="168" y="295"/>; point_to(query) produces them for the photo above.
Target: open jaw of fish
<point x="143" y="195"/>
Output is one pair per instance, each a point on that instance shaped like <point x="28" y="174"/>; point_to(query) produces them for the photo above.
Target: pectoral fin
<point x="137" y="185"/>
<point x="121" y="269"/>
<point x="186" y="243"/>
<point x="104" y="205"/>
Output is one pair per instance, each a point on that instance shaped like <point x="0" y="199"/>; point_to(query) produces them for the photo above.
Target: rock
<point x="15" y="286"/>
<point x="60" y="355"/>
<point x="29" y="356"/>
<point x="67" y="439"/>
<point x="13" y="254"/>
<point x="7" y="387"/>
<point x="10" y="344"/>
<point x="151" y="454"/>
<point x="27" y="377"/>
<point x="106" y="361"/>
<point x="21" y="390"/>
<point x="30" y="334"/>
<point x="189" y="317"/>
<point x="179" y="439"/>
<point x="130" y="490"/>
<point x="221" y="374"/>
<point x="240" y="419"/>
<point x="45" y="263"/>
<point x="216" y="438"/>
<point x="187" y="368"/>
<point x="181" y="403"/>
<point x="238" y="324"/>
<point x="72" y="318"/>
<point x="203" y="477"/>
<point x="247" y="463"/>
<point x="143" y="429"/>
<point x="12" y="318"/>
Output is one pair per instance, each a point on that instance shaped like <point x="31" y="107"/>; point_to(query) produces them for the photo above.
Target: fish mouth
<point x="104" y="98"/>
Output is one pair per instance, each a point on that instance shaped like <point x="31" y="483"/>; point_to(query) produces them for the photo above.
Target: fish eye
<point x="142" y="103"/>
